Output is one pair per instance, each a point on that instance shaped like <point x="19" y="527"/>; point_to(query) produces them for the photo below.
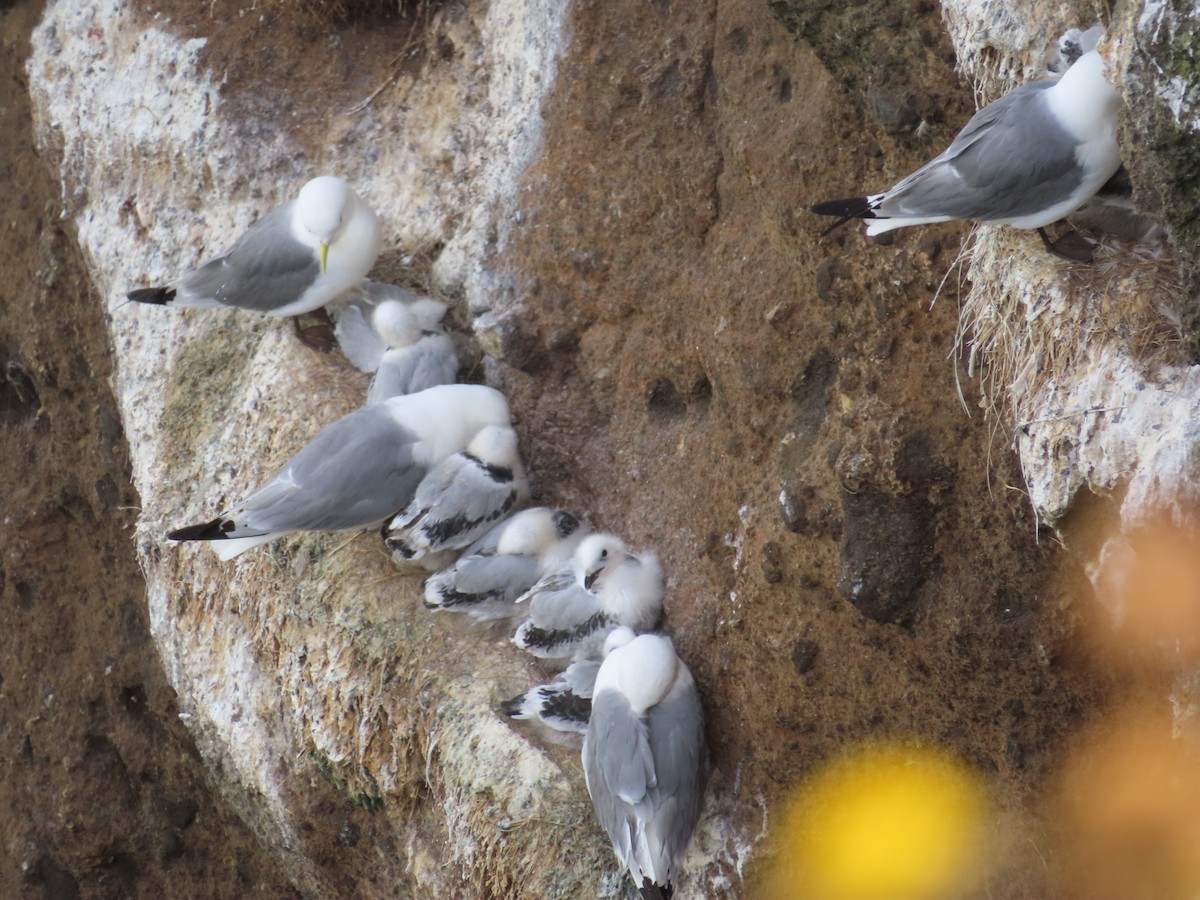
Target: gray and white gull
<point x="1028" y="159"/>
<point x="416" y="357"/>
<point x="293" y="260"/>
<point x="358" y="470"/>
<point x="462" y="498"/>
<point x="565" y="704"/>
<point x="573" y="609"/>
<point x="505" y="563"/>
<point x="354" y="312"/>
<point x="643" y="759"/>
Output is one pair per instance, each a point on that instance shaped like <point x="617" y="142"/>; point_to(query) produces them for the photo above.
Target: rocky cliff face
<point x="849" y="488"/>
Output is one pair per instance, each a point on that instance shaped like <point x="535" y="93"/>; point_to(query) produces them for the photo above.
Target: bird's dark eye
<point x="604" y="554"/>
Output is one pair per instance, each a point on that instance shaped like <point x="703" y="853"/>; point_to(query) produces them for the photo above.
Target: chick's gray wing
<point x="506" y="576"/>
<point x="434" y="362"/>
<point x="475" y="500"/>
<point x="429" y="362"/>
<point x="567" y="607"/>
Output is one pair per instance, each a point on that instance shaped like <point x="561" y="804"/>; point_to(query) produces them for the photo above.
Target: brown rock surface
<point x="815" y="366"/>
<point x="103" y="792"/>
<point x="849" y="553"/>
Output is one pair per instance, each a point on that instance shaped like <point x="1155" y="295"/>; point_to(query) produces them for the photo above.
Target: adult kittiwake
<point x="643" y="759"/>
<point x="462" y="498"/>
<point x="358" y="470"/>
<point x="505" y="563"/>
<point x="293" y="260"/>
<point x="1028" y="159"/>
<point x="573" y="609"/>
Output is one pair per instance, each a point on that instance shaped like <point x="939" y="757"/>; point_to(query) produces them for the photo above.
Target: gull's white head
<point x="1083" y="100"/>
<point x="646" y="670"/>
<point x="324" y="205"/>
<point x="480" y="407"/>
<point x="496" y="445"/>
<point x="532" y="531"/>
<point x="596" y="553"/>
<point x="395" y="322"/>
<point x="447" y="417"/>
<point x="618" y="637"/>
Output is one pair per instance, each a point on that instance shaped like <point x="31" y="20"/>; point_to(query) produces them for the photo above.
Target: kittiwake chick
<point x="462" y="498"/>
<point x="505" y="563"/>
<point x="572" y="610"/>
<point x="416" y="359"/>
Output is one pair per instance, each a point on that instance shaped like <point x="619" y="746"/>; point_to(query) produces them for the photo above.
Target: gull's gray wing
<point x="356" y="336"/>
<point x="354" y="473"/>
<point x="619" y="769"/>
<point x="484" y="586"/>
<point x="566" y="607"/>
<point x="507" y="576"/>
<point x="564" y="623"/>
<point x="455" y="504"/>
<point x="564" y="619"/>
<point x="429" y="362"/>
<point x="676" y="732"/>
<point x="1012" y="159"/>
<point x="557" y="579"/>
<point x="266" y="269"/>
<point x="580" y="677"/>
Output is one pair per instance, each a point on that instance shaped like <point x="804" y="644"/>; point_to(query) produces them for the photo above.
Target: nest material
<point x="1030" y="321"/>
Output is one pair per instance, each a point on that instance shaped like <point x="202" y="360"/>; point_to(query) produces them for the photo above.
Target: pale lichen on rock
<point x="309" y="670"/>
<point x="316" y="662"/>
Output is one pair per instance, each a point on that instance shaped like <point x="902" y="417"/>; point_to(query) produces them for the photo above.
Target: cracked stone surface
<point x="611" y="198"/>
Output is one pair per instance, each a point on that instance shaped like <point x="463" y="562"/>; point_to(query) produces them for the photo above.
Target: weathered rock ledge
<point x="610" y="198"/>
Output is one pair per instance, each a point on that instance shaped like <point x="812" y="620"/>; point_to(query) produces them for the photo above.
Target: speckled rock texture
<point x="1094" y="362"/>
<point x="853" y="491"/>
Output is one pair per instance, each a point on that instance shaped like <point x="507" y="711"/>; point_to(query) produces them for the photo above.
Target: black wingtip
<point x="655" y="891"/>
<point x="850" y="207"/>
<point x="514" y="707"/>
<point x="399" y="545"/>
<point x="395" y="544"/>
<point x="845" y="209"/>
<point x="157" y="295"/>
<point x="208" y="531"/>
<point x="447" y="598"/>
<point x="566" y="705"/>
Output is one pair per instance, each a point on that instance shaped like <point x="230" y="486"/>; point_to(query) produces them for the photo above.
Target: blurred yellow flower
<point x="884" y="822"/>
